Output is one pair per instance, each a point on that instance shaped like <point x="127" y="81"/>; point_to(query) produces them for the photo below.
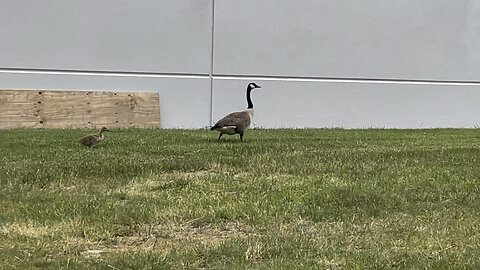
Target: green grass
<point x="284" y="199"/>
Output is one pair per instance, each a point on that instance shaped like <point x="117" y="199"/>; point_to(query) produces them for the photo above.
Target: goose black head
<point x="253" y="85"/>
<point x="104" y="129"/>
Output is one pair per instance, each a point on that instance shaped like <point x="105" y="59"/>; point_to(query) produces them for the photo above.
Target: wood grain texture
<point x="78" y="109"/>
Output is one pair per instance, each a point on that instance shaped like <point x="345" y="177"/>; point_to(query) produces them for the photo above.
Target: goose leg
<point x="241" y="137"/>
<point x="219" y="136"/>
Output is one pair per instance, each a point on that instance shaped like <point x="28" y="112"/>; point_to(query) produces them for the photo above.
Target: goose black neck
<point x="249" y="100"/>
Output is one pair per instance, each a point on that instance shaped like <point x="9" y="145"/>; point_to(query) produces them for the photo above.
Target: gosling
<point x="92" y="140"/>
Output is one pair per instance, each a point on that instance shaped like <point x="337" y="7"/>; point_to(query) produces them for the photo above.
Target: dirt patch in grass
<point x="161" y="237"/>
<point x="142" y="185"/>
<point x="206" y="234"/>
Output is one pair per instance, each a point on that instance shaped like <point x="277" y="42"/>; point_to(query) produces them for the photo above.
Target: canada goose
<point x="237" y="122"/>
<point x="91" y="140"/>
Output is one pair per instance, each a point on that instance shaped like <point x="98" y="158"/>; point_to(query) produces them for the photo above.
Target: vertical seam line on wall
<point x="212" y="53"/>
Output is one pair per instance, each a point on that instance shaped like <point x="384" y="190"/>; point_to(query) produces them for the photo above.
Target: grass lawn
<point x="284" y="199"/>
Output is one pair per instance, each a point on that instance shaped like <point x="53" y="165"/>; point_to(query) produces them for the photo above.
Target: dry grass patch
<point x="164" y="237"/>
<point x="28" y="230"/>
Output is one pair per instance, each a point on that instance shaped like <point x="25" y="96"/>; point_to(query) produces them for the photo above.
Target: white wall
<point x="344" y="63"/>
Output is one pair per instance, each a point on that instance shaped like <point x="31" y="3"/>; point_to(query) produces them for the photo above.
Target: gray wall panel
<point x="184" y="102"/>
<point x="171" y="36"/>
<point x="298" y="104"/>
<point x="419" y="40"/>
<point x="276" y="41"/>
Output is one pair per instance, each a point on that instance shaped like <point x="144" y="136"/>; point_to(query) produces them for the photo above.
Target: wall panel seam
<point x="212" y="62"/>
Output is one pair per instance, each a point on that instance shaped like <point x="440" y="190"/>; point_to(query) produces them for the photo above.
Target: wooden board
<point x="78" y="109"/>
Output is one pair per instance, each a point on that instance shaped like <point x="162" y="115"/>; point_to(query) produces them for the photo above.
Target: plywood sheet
<point x="78" y="109"/>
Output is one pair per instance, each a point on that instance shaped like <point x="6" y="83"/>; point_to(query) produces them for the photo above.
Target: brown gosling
<point x="92" y="140"/>
<point x="237" y="122"/>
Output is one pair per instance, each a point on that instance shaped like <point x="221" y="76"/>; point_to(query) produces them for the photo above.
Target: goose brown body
<point x="237" y="122"/>
<point x="233" y="123"/>
<point x="92" y="140"/>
